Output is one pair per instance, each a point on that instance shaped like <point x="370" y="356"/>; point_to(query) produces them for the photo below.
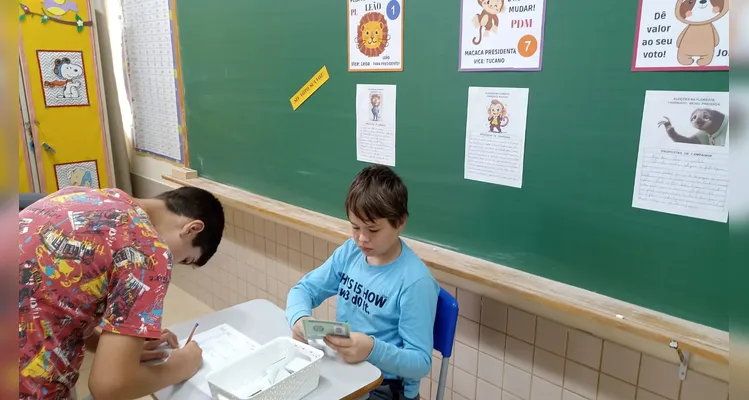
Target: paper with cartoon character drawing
<point x="375" y="124"/>
<point x="676" y="35"/>
<point x="495" y="135"/>
<point x="682" y="164"/>
<point x="375" y="35"/>
<point x="497" y="35"/>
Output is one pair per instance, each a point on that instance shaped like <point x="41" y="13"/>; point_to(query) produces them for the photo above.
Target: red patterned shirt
<point x="88" y="258"/>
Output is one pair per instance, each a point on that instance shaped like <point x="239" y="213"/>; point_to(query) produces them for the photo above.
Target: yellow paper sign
<point x="310" y="87"/>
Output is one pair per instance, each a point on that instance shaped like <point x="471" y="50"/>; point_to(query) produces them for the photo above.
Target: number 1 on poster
<point x="393" y="9"/>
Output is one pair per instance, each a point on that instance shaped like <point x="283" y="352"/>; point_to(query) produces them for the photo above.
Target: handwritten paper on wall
<point x="495" y="135"/>
<point x="678" y="35"/>
<point x="375" y="124"/>
<point x="682" y="165"/>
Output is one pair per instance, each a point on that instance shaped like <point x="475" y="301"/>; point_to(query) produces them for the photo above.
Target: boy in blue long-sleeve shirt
<point x="385" y="292"/>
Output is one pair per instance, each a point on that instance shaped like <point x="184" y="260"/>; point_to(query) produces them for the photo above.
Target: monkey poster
<point x="682" y="163"/>
<point x="501" y="35"/>
<point x="63" y="78"/>
<point x="375" y="124"/>
<point x="682" y="35"/>
<point x="375" y="35"/>
<point x="495" y="135"/>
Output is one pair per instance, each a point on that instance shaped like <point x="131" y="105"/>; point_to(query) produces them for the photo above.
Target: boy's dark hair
<point x="378" y="192"/>
<point x="201" y="205"/>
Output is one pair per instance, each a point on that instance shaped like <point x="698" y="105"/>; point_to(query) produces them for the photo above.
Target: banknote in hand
<point x="318" y="329"/>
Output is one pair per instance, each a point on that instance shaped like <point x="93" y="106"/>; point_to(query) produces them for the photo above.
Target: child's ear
<point x="402" y="224"/>
<point x="193" y="228"/>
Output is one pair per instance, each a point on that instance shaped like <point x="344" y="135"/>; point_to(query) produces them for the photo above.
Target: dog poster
<point x="63" y="78"/>
<point x="682" y="163"/>
<point x="375" y="124"/>
<point x="501" y="35"/>
<point x="682" y="35"/>
<point x="495" y="135"/>
<point x="375" y="35"/>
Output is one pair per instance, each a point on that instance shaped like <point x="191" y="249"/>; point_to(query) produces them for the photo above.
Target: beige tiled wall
<point x="500" y="352"/>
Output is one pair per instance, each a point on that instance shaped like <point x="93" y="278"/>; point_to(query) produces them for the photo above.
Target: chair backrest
<point x="27" y="199"/>
<point x="445" y="323"/>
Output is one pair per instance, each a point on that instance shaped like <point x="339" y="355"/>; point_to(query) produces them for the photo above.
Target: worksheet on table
<point x="221" y="345"/>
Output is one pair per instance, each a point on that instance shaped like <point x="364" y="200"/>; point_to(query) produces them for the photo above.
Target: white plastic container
<point x="293" y="368"/>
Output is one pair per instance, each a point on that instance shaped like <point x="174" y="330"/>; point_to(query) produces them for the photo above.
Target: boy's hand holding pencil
<point x="151" y="349"/>
<point x="189" y="338"/>
<point x="189" y="358"/>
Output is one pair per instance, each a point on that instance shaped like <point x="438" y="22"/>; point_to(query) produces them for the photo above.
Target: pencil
<point x="189" y="338"/>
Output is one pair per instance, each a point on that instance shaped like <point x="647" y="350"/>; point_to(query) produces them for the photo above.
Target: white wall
<point x="145" y="174"/>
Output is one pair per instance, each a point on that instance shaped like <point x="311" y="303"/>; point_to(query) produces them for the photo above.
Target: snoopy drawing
<point x="67" y="74"/>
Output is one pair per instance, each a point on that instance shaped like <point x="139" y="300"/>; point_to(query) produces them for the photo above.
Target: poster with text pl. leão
<point x="375" y="41"/>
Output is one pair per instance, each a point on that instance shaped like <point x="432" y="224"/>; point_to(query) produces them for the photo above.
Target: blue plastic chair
<point x="445" y="323"/>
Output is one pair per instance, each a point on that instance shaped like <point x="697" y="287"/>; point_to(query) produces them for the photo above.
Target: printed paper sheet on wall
<point x="675" y="35"/>
<point x="682" y="165"/>
<point x="495" y="135"/>
<point x="497" y="35"/>
<point x="375" y="29"/>
<point x="375" y="124"/>
<point x="151" y="79"/>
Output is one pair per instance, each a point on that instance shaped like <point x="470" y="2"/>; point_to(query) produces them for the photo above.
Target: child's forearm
<point x="406" y="363"/>
<point x="146" y="380"/>
<point x="313" y="289"/>
<point x="298" y="304"/>
<point x="152" y="378"/>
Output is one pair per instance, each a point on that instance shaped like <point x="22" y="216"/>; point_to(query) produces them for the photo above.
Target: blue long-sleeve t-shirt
<point x="394" y="303"/>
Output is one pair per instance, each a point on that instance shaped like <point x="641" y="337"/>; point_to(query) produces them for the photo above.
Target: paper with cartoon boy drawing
<point x="375" y="124"/>
<point x="495" y="135"/>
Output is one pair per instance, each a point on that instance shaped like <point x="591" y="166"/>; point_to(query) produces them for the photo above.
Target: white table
<point x="263" y="321"/>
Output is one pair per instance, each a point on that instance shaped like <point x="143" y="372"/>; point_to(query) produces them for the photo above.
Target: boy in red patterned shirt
<point x="94" y="268"/>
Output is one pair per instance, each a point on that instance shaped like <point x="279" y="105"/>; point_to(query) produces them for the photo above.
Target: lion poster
<point x="375" y="41"/>
<point x="682" y="35"/>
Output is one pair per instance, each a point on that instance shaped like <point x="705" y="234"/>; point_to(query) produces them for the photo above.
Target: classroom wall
<point x="143" y="172"/>
<point x="109" y="65"/>
<point x="145" y="176"/>
<point x="501" y="352"/>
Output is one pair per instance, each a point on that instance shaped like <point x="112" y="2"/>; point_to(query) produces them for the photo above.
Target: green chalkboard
<point x="572" y="221"/>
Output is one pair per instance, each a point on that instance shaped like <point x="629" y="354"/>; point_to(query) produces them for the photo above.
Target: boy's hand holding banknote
<point x="354" y="347"/>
